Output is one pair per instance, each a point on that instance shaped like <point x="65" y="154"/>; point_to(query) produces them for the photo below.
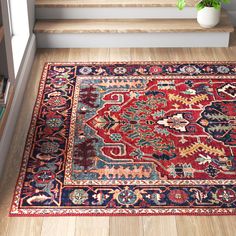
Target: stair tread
<point x="128" y="26"/>
<point x="113" y="3"/>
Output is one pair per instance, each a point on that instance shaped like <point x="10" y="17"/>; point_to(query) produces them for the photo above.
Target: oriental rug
<point x="147" y="138"/>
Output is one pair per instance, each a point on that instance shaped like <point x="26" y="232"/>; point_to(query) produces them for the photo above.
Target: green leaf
<point x="204" y="3"/>
<point x="181" y="4"/>
<point x="226" y="1"/>
<point x="216" y="5"/>
<point x="200" y="6"/>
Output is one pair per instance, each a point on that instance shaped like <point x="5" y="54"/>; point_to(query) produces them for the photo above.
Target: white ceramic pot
<point x="208" y="17"/>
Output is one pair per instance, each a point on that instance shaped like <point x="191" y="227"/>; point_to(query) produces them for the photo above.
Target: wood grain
<point x="24" y="226"/>
<point x="126" y="226"/>
<point x="113" y="3"/>
<point x="92" y="226"/>
<point x="206" y="225"/>
<point x="112" y="226"/>
<point x="128" y="26"/>
<point x="60" y="227"/>
<point x="164" y="225"/>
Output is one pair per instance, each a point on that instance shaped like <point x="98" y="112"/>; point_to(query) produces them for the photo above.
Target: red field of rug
<point x="131" y="139"/>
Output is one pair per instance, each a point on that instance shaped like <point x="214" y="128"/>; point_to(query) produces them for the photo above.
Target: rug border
<point x="42" y="84"/>
<point x="121" y="215"/>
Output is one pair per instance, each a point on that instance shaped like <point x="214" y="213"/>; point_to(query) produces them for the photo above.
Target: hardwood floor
<point x="103" y="226"/>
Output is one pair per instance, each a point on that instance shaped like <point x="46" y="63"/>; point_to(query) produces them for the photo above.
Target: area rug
<point x="147" y="138"/>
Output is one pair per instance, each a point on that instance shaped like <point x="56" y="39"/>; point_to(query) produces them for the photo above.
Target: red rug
<point x="131" y="139"/>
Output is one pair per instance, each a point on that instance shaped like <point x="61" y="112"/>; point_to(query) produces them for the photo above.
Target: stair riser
<point x="116" y="13"/>
<point x="133" y="40"/>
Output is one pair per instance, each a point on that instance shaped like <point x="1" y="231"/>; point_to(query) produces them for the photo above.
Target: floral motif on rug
<point x="131" y="139"/>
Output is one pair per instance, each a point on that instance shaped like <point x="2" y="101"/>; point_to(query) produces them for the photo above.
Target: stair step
<point x="128" y="26"/>
<point x="115" y="9"/>
<point x="112" y="3"/>
<point x="130" y="33"/>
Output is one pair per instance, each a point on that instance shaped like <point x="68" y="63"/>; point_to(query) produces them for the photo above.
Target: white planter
<point x="208" y="17"/>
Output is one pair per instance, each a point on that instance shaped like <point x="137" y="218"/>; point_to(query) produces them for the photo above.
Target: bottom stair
<point x="131" y="33"/>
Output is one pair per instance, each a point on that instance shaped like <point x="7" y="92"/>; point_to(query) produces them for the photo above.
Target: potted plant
<point x="208" y="11"/>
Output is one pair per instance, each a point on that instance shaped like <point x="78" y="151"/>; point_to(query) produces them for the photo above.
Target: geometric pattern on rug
<point x="147" y="138"/>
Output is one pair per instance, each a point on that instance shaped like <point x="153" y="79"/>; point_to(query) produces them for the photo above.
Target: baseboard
<point x="232" y="14"/>
<point x="22" y="78"/>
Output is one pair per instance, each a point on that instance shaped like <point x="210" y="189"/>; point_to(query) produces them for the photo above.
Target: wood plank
<point x="125" y="225"/>
<point x="159" y="225"/>
<point x="103" y="54"/>
<point x="113" y="3"/>
<point x="60" y="227"/>
<point x="123" y="55"/>
<point x="127" y="26"/>
<point x="206" y="225"/>
<point x="92" y="226"/>
<point x="24" y="226"/>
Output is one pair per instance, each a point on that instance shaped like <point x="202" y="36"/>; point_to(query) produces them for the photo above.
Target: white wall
<point x="232" y="10"/>
<point x="3" y="64"/>
<point x="231" y="6"/>
<point x="21" y="82"/>
<point x="31" y="14"/>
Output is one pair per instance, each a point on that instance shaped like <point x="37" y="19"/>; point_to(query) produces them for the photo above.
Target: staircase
<point x="124" y="23"/>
